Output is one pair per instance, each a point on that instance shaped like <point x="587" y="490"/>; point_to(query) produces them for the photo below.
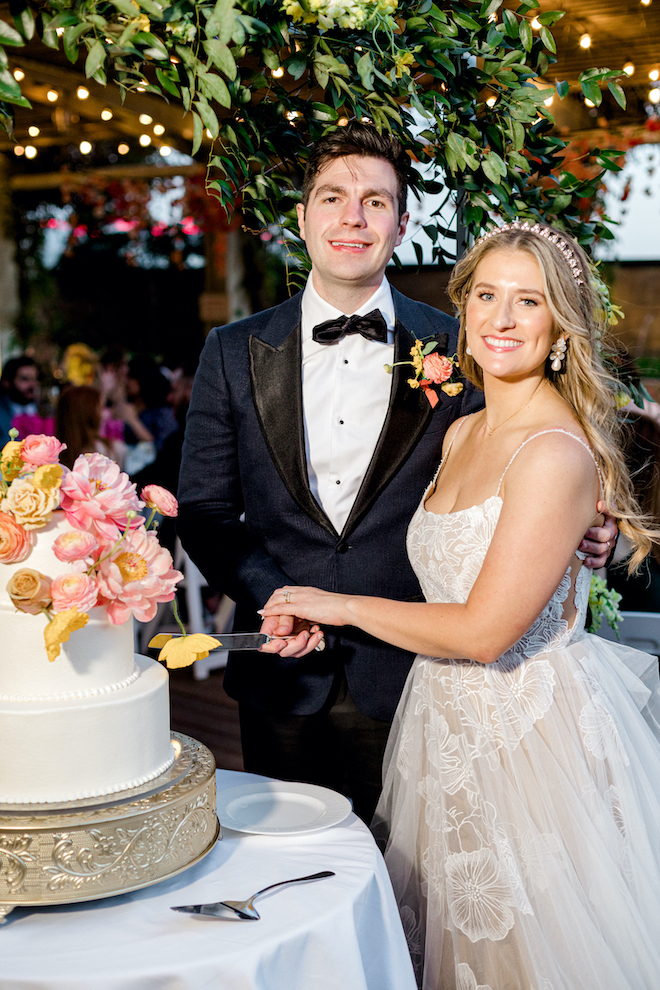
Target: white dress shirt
<point x="346" y="393"/>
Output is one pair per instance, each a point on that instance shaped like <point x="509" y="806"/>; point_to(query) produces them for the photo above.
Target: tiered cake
<point x="94" y="721"/>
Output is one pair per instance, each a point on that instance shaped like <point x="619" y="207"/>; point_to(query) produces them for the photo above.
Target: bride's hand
<point x="323" y="607"/>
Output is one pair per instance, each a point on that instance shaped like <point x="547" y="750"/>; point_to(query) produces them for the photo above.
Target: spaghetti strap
<point x="434" y="479"/>
<point x="541" y="433"/>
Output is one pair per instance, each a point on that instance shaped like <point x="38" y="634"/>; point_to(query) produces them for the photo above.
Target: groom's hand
<point x="306" y="637"/>
<point x="599" y="541"/>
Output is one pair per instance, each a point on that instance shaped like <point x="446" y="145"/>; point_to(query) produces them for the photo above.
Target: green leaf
<point x="493" y="166"/>
<point x="10" y="90"/>
<point x="510" y="23"/>
<point x="9" y="35"/>
<point x="24" y="22"/>
<point x="517" y="135"/>
<point x="155" y="9"/>
<point x="562" y="89"/>
<point x="526" y="35"/>
<point x="466" y="21"/>
<point x="167" y="82"/>
<point x="95" y="58"/>
<point x="548" y="40"/>
<point x="214" y="87"/>
<point x="71" y="39"/>
<point x="124" y="6"/>
<point x="618" y="93"/>
<point x="153" y="43"/>
<point x="551" y="17"/>
<point x="366" y="71"/>
<point x="222" y="57"/>
<point x="592" y="91"/>
<point x="198" y="133"/>
<point x="209" y="118"/>
<point x="296" y="66"/>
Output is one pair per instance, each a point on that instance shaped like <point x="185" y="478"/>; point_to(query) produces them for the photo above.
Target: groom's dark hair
<point x="363" y="140"/>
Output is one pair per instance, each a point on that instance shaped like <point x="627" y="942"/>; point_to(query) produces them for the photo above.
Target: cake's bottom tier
<point x="60" y="751"/>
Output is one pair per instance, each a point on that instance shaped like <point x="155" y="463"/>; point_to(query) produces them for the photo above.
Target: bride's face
<point x="508" y="321"/>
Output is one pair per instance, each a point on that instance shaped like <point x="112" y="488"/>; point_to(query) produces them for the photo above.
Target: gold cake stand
<point x="103" y="846"/>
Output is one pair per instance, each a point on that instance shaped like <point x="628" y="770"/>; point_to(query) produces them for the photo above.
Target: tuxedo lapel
<point x="276" y="377"/>
<point x="407" y="417"/>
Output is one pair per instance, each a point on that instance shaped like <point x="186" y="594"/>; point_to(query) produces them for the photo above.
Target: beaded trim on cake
<point x="71" y="695"/>
<point x="65" y="798"/>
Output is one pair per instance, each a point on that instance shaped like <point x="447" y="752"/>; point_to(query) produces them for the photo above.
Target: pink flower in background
<point x="136" y="577"/>
<point x="96" y="496"/>
<point x="73" y="591"/>
<point x="437" y="368"/>
<point x="77" y="544"/>
<point x="160" y="499"/>
<point x="15" y="541"/>
<point x="39" y="449"/>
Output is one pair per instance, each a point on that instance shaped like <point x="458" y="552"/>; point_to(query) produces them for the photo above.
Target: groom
<point x="303" y="463"/>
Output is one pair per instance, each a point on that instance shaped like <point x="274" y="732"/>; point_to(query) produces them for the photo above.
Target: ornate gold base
<point x="104" y="846"/>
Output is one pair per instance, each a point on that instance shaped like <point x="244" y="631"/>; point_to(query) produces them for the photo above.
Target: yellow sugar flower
<point x="452" y="388"/>
<point x="11" y="461"/>
<point x="60" y="628"/>
<point x="48" y="478"/>
<point x="182" y="651"/>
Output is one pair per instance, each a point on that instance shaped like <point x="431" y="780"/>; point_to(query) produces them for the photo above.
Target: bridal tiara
<point x="546" y="233"/>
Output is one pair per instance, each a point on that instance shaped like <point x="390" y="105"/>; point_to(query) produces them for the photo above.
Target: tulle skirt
<point x="521" y="809"/>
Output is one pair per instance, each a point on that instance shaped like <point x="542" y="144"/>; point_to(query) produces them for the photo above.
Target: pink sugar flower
<point x="437" y="368"/>
<point x="137" y="576"/>
<point x="96" y="496"/>
<point x="40" y="449"/>
<point x="160" y="499"/>
<point x="77" y="544"/>
<point x="73" y="590"/>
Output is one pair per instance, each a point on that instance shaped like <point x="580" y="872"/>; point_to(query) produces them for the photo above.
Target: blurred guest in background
<point x="78" y="425"/>
<point x="19" y="391"/>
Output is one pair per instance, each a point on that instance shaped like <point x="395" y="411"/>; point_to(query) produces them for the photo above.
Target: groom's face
<point x="351" y="223"/>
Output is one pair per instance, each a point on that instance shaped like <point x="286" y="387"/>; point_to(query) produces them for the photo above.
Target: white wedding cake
<point x="87" y="717"/>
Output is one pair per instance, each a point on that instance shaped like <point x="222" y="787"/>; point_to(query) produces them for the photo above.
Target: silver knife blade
<point x="229" y="641"/>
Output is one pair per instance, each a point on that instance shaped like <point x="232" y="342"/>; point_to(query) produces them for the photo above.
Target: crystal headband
<point x="548" y="234"/>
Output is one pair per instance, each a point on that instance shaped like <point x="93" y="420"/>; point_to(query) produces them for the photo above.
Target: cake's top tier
<point x="96" y="659"/>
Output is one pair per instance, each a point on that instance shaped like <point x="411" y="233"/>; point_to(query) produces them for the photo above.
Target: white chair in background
<point x="640" y="630"/>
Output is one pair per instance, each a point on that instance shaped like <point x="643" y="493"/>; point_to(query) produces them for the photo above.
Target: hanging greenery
<point x="459" y="82"/>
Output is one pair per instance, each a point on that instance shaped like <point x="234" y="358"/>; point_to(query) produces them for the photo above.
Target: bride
<point x="522" y="779"/>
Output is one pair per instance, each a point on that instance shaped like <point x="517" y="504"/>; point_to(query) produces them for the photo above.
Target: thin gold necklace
<point x="491" y="430"/>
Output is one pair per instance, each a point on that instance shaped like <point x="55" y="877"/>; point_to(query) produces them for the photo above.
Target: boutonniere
<point x="433" y="369"/>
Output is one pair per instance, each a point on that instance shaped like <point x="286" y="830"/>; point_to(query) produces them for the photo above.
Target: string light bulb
<point x="548" y="103"/>
<point x="145" y="119"/>
<point x="33" y="131"/>
<point x="52" y="95"/>
<point x="654" y="75"/>
<point x="629" y="68"/>
<point x="19" y="150"/>
<point x="645" y="3"/>
<point x="159" y="129"/>
<point x="654" y="96"/>
<point x="30" y="151"/>
<point x="106" y="114"/>
<point x="589" y="103"/>
<point x="18" y="75"/>
<point x="123" y="149"/>
<point x="145" y="140"/>
<point x="165" y="150"/>
<point x="536" y="24"/>
<point x="278" y="72"/>
<point x="585" y="41"/>
<point x="491" y="101"/>
<point x="85" y="147"/>
<point x="82" y="92"/>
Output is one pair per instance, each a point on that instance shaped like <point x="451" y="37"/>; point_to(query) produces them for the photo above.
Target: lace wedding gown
<point x="522" y="797"/>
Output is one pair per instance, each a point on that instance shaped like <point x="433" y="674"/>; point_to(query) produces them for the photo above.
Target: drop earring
<point x="558" y="354"/>
<point x="468" y="351"/>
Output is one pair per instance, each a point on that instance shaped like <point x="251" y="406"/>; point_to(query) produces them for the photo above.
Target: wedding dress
<point x="522" y="798"/>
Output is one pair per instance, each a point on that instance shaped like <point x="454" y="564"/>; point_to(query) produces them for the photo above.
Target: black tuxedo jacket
<point x="250" y="523"/>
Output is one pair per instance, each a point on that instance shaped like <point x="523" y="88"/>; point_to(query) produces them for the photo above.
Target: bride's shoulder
<point x="555" y="451"/>
<point x="463" y="425"/>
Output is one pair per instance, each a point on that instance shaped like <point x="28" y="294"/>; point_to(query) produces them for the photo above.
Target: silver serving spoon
<point x="245" y="910"/>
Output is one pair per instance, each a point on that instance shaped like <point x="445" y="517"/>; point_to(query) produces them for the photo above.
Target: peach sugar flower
<point x="73" y="590"/>
<point x="136" y="576"/>
<point x="31" y="502"/>
<point x="160" y="499"/>
<point x="15" y="541"/>
<point x="97" y="496"/>
<point x="29" y="590"/>
<point x="77" y="544"/>
<point x="38" y="449"/>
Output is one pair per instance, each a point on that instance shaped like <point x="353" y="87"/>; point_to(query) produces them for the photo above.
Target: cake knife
<point x="229" y="641"/>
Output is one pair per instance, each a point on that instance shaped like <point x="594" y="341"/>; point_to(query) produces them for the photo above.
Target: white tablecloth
<point x="341" y="933"/>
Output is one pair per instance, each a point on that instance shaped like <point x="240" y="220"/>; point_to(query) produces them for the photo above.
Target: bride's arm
<point x="550" y="494"/>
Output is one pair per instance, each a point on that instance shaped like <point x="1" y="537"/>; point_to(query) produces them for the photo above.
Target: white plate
<point x="279" y="807"/>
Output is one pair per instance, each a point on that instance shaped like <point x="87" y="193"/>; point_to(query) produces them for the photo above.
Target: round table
<point x="341" y="933"/>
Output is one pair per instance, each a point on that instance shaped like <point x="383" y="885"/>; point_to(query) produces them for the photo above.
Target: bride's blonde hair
<point x="584" y="381"/>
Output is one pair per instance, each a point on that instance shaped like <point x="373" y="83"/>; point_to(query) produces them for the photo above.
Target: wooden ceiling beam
<point x="53" y="180"/>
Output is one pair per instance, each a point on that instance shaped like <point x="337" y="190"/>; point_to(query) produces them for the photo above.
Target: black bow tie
<point x="372" y="326"/>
